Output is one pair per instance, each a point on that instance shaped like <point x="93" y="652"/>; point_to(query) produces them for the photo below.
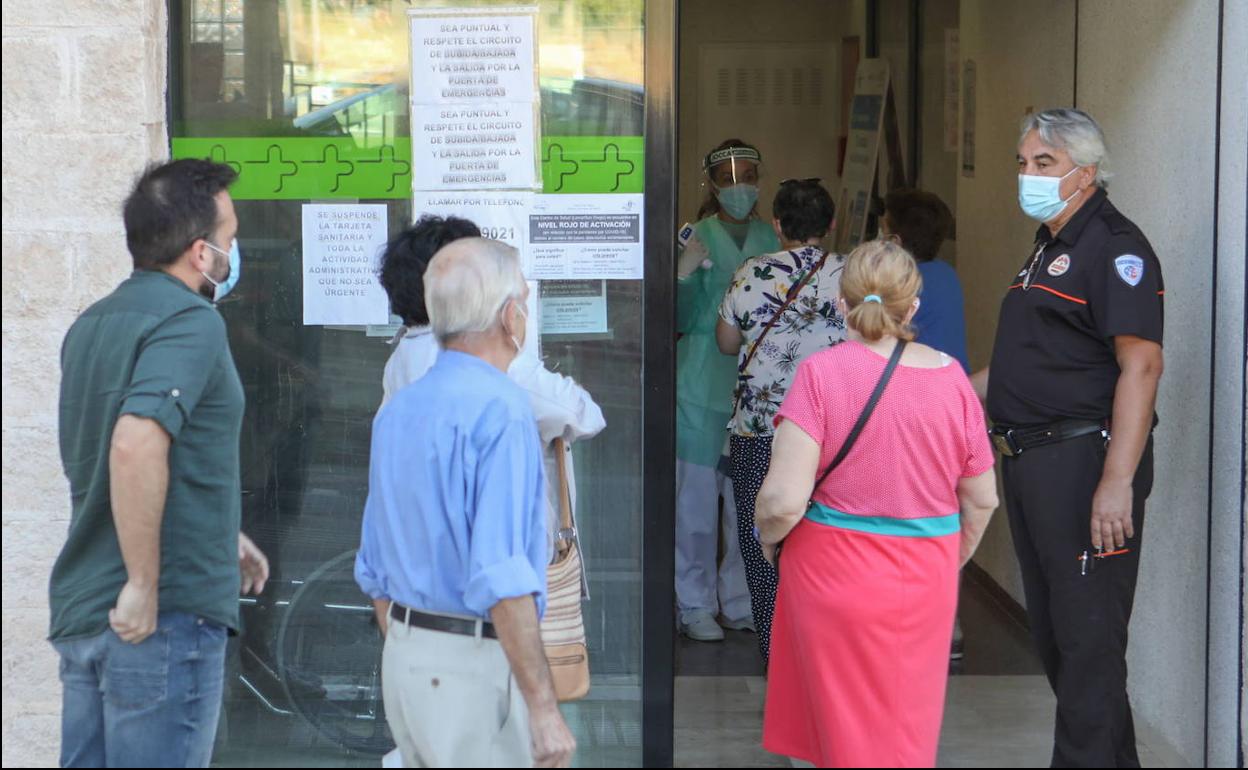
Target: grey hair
<point x="468" y="282"/>
<point x="1075" y="132"/>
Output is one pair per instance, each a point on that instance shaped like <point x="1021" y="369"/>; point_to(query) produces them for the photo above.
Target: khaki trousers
<point x="451" y="700"/>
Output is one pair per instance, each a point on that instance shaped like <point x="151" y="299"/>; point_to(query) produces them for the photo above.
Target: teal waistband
<point x="930" y="526"/>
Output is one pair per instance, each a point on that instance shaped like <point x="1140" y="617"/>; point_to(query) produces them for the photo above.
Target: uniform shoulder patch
<point x="1130" y="269"/>
<point x="1060" y="265"/>
<point x="685" y="233"/>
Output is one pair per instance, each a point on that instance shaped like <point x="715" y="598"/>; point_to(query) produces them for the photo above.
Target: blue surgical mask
<point x="738" y="200"/>
<point x="224" y="287"/>
<point x="1040" y="197"/>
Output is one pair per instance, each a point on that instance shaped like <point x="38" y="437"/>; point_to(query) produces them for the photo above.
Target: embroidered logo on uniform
<point x="1060" y="265"/>
<point x="1130" y="269"/>
<point x="684" y="235"/>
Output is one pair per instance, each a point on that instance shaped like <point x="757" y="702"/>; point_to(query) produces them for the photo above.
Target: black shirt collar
<point x="1071" y="231"/>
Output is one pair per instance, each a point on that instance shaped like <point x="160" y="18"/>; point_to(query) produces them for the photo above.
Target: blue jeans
<point x="152" y="704"/>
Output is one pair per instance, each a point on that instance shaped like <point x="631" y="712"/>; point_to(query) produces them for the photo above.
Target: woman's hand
<point x="977" y="499"/>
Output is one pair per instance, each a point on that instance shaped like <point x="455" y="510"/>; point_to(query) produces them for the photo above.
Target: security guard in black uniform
<point x="1071" y="394"/>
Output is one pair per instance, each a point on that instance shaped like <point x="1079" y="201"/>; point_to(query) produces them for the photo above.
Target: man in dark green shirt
<point x="146" y="588"/>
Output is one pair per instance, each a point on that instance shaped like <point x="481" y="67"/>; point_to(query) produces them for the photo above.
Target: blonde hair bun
<point x="880" y="283"/>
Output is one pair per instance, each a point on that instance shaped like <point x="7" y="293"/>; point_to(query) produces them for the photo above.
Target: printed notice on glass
<point x="474" y="99"/>
<point x="466" y="147"/>
<point x="501" y="216"/>
<point x="473" y="59"/>
<point x="586" y="236"/>
<point x="341" y="246"/>
<point x="574" y="307"/>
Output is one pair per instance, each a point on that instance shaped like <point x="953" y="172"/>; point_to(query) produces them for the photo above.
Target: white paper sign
<point x="471" y="147"/>
<point x="341" y="246"/>
<point x="574" y="307"/>
<point x="586" y="236"/>
<point x="474" y="99"/>
<point x="502" y="216"/>
<point x="473" y="59"/>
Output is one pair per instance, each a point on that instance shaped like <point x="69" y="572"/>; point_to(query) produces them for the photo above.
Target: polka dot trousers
<point x="751" y="457"/>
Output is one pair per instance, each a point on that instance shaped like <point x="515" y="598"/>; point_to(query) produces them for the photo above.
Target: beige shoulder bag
<point x="563" y="626"/>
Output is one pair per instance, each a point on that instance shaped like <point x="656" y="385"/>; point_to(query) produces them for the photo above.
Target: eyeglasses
<point x="807" y="180"/>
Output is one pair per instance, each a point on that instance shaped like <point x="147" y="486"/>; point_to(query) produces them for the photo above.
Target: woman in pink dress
<point x="870" y="559"/>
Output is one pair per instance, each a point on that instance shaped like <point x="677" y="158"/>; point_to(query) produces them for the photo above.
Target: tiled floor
<point x="998" y="712"/>
<point x="990" y="721"/>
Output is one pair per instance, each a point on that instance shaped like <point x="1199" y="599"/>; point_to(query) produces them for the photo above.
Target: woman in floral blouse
<point x="779" y="309"/>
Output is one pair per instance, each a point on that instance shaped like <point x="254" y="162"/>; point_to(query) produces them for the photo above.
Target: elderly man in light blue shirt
<point x="453" y="548"/>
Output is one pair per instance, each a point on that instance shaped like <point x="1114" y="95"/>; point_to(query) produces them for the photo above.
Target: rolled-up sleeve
<point x="174" y="367"/>
<point x="366" y="576"/>
<point x="507" y="550"/>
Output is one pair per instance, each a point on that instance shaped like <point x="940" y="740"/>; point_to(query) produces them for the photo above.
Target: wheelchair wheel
<point x="329" y="659"/>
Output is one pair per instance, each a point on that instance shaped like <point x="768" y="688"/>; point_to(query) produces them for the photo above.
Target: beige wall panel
<point x="1017" y="69"/>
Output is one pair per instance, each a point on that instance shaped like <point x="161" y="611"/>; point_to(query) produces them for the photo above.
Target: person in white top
<point x="563" y="408"/>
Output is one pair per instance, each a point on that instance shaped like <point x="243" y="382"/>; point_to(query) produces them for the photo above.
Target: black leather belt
<point x="462" y="626"/>
<point x="1012" y="442"/>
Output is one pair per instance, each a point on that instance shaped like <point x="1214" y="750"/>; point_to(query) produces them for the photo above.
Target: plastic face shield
<point x="732" y="166"/>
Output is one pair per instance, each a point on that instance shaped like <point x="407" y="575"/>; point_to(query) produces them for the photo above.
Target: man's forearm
<point x="1135" y="398"/>
<point x="138" y="467"/>
<point x="381" y="611"/>
<point x="520" y="634"/>
<point x="979" y="381"/>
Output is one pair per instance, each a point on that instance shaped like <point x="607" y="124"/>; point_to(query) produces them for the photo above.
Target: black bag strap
<point x="893" y="360"/>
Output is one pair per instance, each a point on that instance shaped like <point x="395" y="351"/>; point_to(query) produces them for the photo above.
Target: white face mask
<point x="524" y="313"/>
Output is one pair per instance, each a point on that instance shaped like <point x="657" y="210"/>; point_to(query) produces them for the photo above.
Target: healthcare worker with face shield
<point x="728" y="232"/>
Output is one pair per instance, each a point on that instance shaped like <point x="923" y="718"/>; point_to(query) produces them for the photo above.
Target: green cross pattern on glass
<point x="593" y="164"/>
<point x="317" y="168"/>
<point x="306" y="168"/>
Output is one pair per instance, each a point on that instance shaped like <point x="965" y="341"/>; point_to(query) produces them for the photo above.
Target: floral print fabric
<point x="810" y="323"/>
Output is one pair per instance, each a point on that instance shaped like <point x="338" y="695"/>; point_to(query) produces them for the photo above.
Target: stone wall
<point x="84" y="111"/>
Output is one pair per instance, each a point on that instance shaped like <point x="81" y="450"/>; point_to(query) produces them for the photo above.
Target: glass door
<point x="308" y="100"/>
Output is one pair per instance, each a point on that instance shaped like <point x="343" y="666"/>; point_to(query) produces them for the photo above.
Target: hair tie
<point x="873" y="298"/>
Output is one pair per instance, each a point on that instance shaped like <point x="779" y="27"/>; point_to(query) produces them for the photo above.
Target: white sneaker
<point x="700" y="626"/>
<point x="745" y="624"/>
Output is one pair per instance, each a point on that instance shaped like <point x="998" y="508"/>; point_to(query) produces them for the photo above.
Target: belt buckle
<point x="1005" y="442"/>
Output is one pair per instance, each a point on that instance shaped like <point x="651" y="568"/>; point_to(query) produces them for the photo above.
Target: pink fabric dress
<point x="868" y="579"/>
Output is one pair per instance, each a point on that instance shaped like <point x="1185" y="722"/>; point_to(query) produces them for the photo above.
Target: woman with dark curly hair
<point x="402" y="276"/>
